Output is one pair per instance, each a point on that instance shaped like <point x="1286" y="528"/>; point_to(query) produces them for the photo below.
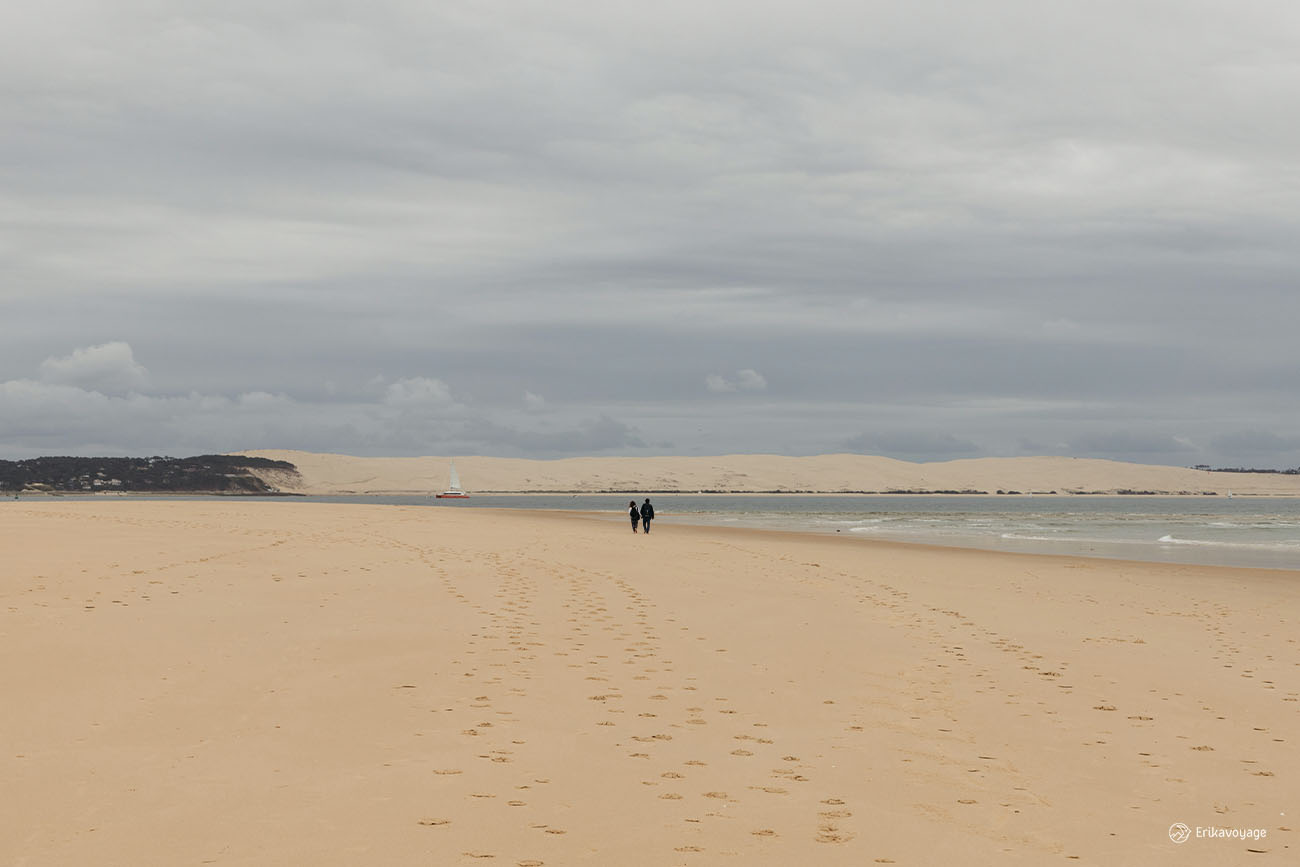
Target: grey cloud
<point x="591" y="436"/>
<point x="1129" y="443"/>
<point x="1027" y="446"/>
<point x="1258" y="442"/>
<point x="411" y="415"/>
<point x="35" y="417"/>
<point x="1034" y="229"/>
<point x="912" y="445"/>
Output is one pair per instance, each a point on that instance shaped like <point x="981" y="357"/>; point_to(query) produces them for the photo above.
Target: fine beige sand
<point x="344" y="474"/>
<point x="254" y="682"/>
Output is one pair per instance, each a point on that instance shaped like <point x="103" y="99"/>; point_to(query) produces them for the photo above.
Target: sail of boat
<point x="454" y="490"/>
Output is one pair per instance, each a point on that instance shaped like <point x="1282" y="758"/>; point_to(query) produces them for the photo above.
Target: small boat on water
<point x="454" y="491"/>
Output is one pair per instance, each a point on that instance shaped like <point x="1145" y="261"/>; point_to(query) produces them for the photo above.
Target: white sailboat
<point x="454" y="490"/>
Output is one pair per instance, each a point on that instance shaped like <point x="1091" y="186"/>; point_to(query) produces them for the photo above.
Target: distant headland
<point x="204" y="474"/>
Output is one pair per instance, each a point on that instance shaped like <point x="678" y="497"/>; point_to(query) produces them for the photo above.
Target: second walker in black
<point x="647" y="515"/>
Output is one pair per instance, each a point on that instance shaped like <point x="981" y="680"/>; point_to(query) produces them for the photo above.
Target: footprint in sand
<point x="435" y="822"/>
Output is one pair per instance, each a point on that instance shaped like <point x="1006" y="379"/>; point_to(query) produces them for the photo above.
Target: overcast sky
<point x="925" y="230"/>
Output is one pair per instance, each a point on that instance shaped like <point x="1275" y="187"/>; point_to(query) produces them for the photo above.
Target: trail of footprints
<point x="675" y="740"/>
<point x="172" y="577"/>
<point x="954" y="634"/>
<point x="1036" y="687"/>
<point x="684" y="718"/>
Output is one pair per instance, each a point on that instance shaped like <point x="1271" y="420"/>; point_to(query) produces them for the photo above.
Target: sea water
<point x="1240" y="531"/>
<point x="1260" y="532"/>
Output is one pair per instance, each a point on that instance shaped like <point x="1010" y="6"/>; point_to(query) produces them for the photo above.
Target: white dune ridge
<point x="326" y="474"/>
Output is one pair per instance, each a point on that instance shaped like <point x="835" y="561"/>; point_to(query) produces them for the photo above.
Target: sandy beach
<point x="270" y="682"/>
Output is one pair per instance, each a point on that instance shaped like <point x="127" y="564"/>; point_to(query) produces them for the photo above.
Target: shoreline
<point x="885" y="542"/>
<point x="1230" y="553"/>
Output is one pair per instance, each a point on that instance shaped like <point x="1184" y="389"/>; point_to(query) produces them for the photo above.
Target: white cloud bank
<point x="418" y="392"/>
<point x="744" y="380"/>
<point x="109" y="368"/>
<point x="98" y="400"/>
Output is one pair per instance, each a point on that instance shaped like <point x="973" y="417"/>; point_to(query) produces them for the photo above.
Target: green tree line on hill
<point x="225" y="474"/>
<point x="1295" y="471"/>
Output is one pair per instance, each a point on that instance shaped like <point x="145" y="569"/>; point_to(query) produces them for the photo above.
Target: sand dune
<point x="278" y="682"/>
<point x="338" y="474"/>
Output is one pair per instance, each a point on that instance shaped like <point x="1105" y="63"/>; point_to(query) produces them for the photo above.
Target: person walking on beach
<point x="647" y="515"/>
<point x="633" y="514"/>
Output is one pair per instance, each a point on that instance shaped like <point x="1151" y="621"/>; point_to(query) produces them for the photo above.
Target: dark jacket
<point x="647" y="511"/>
<point x="633" y="513"/>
